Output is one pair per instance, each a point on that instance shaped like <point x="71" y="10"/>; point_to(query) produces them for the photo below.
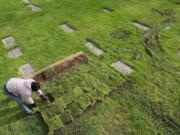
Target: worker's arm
<point x="40" y="93"/>
<point x="31" y="106"/>
<point x="29" y="101"/>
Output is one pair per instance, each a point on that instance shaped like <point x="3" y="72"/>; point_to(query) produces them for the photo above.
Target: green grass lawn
<point x="146" y="102"/>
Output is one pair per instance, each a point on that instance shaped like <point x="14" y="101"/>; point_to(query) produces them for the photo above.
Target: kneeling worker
<point x="20" y="90"/>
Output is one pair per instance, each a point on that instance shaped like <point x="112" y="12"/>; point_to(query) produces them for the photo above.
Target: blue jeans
<point x="18" y="100"/>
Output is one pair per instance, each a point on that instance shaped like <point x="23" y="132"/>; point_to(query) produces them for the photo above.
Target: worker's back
<point x="20" y="87"/>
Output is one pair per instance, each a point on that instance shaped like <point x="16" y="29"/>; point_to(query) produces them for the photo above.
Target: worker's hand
<point x="43" y="97"/>
<point x="34" y="110"/>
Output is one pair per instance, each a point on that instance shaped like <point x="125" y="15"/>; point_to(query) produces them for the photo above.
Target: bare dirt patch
<point x="120" y="34"/>
<point x="61" y="66"/>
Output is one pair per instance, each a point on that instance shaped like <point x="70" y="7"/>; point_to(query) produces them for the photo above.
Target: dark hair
<point x="35" y="86"/>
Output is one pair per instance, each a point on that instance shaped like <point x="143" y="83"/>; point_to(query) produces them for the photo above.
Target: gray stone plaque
<point x="66" y="28"/>
<point x="34" y="8"/>
<point x="26" y="70"/>
<point x="9" y="41"/>
<point x="123" y="68"/>
<point x="140" y="26"/>
<point x="15" y="53"/>
<point x="93" y="48"/>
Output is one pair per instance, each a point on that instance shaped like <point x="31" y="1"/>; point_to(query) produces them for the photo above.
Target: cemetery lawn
<point x="145" y="102"/>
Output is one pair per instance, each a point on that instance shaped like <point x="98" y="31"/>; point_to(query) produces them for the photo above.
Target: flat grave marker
<point x="26" y="1"/>
<point x="26" y="70"/>
<point x="140" y="26"/>
<point x="178" y="53"/>
<point x="9" y="41"/>
<point x="93" y="48"/>
<point x="123" y="68"/>
<point x="107" y="10"/>
<point x="67" y="28"/>
<point x="34" y="8"/>
<point x="15" y="53"/>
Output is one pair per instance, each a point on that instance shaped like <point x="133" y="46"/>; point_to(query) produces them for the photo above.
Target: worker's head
<point x="35" y="86"/>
